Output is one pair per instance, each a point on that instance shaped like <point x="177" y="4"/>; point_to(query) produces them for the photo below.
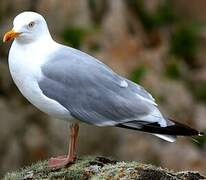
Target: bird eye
<point x="31" y="24"/>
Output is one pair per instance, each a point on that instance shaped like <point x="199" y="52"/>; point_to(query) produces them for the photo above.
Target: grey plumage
<point x="93" y="93"/>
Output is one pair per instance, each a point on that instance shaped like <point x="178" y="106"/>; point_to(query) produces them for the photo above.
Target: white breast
<point x="24" y="65"/>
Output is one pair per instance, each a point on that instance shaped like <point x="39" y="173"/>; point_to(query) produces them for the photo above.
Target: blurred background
<point x="160" y="44"/>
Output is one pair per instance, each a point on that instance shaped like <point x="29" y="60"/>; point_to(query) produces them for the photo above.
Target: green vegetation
<point x="199" y="141"/>
<point x="138" y="74"/>
<point x="162" y="16"/>
<point x="184" y="39"/>
<point x="184" y="42"/>
<point x="41" y="171"/>
<point x="97" y="10"/>
<point x="74" y="35"/>
<point x="94" y="47"/>
<point x="199" y="91"/>
<point x="173" y="70"/>
<point x="96" y="168"/>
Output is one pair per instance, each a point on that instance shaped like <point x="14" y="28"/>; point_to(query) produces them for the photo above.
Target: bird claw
<point x="60" y="161"/>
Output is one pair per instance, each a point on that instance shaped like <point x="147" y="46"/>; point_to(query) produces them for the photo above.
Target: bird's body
<point x="26" y="73"/>
<point x="69" y="84"/>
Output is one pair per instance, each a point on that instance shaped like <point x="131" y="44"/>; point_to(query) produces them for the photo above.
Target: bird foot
<point x="61" y="161"/>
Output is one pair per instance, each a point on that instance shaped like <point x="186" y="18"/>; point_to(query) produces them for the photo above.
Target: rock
<point x="101" y="168"/>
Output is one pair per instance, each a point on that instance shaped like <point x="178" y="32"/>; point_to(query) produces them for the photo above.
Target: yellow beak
<point x="10" y="35"/>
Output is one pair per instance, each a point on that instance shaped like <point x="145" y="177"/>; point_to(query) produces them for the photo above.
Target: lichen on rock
<point x="96" y="168"/>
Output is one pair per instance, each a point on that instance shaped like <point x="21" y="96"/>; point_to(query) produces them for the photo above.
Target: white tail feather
<point x="168" y="138"/>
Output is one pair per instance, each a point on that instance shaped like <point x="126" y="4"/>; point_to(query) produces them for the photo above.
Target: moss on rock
<point x="96" y="168"/>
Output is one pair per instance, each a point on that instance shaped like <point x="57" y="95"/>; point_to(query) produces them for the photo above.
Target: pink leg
<point x="76" y="129"/>
<point x="62" y="161"/>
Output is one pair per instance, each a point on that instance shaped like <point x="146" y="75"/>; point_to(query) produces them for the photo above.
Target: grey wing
<point x="92" y="92"/>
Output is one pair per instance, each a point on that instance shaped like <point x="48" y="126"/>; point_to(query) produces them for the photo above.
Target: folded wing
<point x="93" y="93"/>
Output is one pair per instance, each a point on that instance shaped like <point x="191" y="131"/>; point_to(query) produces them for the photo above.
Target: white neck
<point x="35" y="50"/>
<point x="22" y="41"/>
<point x="25" y="60"/>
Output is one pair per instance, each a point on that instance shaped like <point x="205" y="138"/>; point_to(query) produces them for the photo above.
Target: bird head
<point x="27" y="27"/>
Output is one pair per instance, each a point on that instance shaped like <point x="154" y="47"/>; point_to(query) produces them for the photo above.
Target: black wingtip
<point x="201" y="134"/>
<point x="177" y="129"/>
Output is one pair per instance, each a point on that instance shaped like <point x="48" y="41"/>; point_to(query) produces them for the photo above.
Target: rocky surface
<point x="95" y="168"/>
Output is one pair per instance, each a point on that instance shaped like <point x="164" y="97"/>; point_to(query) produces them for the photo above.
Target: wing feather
<point x="91" y="91"/>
